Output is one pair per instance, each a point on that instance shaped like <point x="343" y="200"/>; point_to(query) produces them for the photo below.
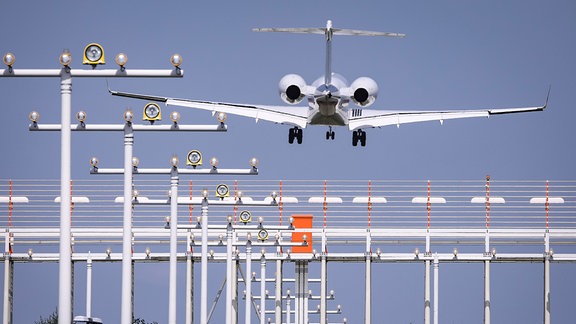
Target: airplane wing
<point x="291" y="115"/>
<point x="368" y="118"/>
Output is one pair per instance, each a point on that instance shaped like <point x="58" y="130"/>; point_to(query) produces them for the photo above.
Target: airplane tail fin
<point x="328" y="31"/>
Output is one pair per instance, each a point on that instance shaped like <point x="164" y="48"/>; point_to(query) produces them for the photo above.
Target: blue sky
<point x="457" y="55"/>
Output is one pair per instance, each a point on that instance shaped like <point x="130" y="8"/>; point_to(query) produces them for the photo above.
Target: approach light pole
<point x="65" y="74"/>
<point x="130" y="167"/>
<point x="174" y="172"/>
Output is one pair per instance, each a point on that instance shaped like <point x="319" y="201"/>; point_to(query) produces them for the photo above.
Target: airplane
<point x="328" y="99"/>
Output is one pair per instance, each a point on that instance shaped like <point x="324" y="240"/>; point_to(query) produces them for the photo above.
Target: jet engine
<point x="365" y="91"/>
<point x="290" y="88"/>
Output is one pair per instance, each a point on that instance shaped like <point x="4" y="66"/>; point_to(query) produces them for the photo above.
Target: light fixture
<point x="274" y="195"/>
<point x="152" y="112"/>
<point x="205" y="193"/>
<point x="222" y="191"/>
<point x="108" y="252"/>
<point x="229" y="219"/>
<point x="65" y="58"/>
<point x="214" y="162"/>
<point x="455" y="252"/>
<point x="81" y="116"/>
<point x="221" y="117"/>
<point x="249" y="237"/>
<point x="94" y="162"/>
<point x="147" y="251"/>
<point x="221" y="238"/>
<point x="211" y="253"/>
<point x="262" y="235"/>
<point x="128" y="115"/>
<point x="30" y="253"/>
<point x="121" y="59"/>
<point x="194" y="158"/>
<point x="9" y="60"/>
<point x="198" y="220"/>
<point x="416" y="252"/>
<point x="135" y="194"/>
<point x="254" y="163"/>
<point x="288" y="293"/>
<point x="245" y="216"/>
<point x="263" y="252"/>
<point x="332" y="293"/>
<point x="135" y="162"/>
<point x="493" y="251"/>
<point x="174" y="161"/>
<point x="378" y="252"/>
<point x="93" y="55"/>
<point x="175" y="117"/>
<point x="260" y="220"/>
<point x="167" y="221"/>
<point x="176" y="60"/>
<point x="34" y="116"/>
<point x="305" y="238"/>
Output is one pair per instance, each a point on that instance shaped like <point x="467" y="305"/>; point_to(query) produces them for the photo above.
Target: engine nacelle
<point x="290" y="88"/>
<point x="365" y="91"/>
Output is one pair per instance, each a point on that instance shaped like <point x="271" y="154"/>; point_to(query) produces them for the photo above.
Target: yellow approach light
<point x="222" y="191"/>
<point x="194" y="158"/>
<point x="93" y="54"/>
<point x="152" y="112"/>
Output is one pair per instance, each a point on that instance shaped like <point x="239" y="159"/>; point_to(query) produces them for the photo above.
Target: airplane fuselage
<point x="327" y="105"/>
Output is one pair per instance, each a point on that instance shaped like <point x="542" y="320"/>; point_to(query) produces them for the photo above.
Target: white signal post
<point x="65" y="75"/>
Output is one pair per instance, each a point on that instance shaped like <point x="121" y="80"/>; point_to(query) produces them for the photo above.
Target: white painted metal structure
<point x="540" y="215"/>
<point x="65" y="75"/>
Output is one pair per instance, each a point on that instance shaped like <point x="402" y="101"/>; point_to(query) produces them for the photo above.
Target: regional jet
<point x="327" y="99"/>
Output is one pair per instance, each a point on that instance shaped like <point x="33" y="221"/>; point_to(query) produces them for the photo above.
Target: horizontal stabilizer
<point x="328" y="30"/>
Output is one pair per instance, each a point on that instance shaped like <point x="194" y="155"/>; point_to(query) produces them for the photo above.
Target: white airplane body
<point x="328" y="99"/>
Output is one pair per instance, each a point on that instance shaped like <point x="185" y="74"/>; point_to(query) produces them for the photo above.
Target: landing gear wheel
<point x="299" y="134"/>
<point x="359" y="136"/>
<point x="330" y="135"/>
<point x="295" y="133"/>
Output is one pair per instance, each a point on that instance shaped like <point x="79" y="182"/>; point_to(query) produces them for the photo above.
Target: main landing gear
<point x="330" y="133"/>
<point x="295" y="133"/>
<point x="359" y="136"/>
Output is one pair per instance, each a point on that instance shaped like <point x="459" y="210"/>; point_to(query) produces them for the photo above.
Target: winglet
<point x="547" y="97"/>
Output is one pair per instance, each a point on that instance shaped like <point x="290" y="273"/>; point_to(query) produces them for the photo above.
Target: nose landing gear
<point x="330" y="134"/>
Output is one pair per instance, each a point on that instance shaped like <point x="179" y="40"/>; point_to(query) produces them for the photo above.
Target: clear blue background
<point x="457" y="55"/>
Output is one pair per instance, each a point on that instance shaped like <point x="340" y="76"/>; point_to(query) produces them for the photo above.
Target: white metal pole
<point x="126" y="300"/>
<point x="173" y="244"/>
<point x="368" y="281"/>
<point x="323" y="280"/>
<point x="8" y="289"/>
<point x="263" y="288"/>
<point x="248" y="282"/>
<point x="229" y="271"/>
<point x="368" y="296"/>
<point x="436" y="301"/>
<point x="189" y="285"/>
<point x="486" y="292"/>
<point x="204" y="265"/>
<point x="278" y="291"/>
<point x="89" y="286"/>
<point x="288" y="310"/>
<point x="547" y="289"/>
<point x="65" y="262"/>
<point x="427" y="292"/>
